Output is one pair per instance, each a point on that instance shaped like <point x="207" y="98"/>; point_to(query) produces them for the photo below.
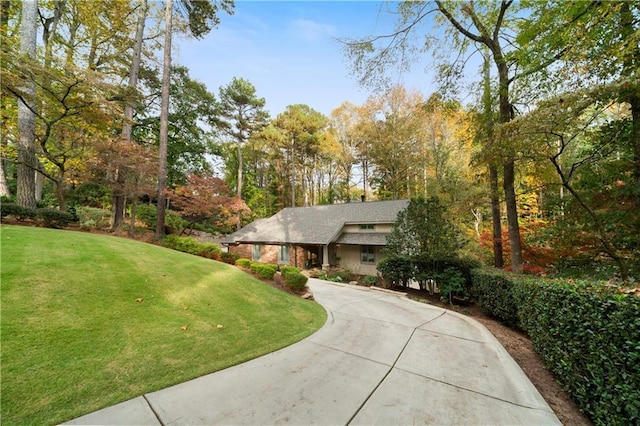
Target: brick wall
<point x="269" y="253"/>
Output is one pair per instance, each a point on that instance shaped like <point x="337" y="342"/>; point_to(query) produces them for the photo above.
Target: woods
<point x="537" y="167"/>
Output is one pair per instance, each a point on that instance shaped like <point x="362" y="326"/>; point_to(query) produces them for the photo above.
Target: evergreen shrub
<point x="54" y="218"/>
<point x="243" y="263"/>
<point x="288" y="268"/>
<point x="294" y="280"/>
<point x="587" y="332"/>
<point x="192" y="246"/>
<point x="263" y="270"/>
<point x="91" y="217"/>
<point x="20" y="213"/>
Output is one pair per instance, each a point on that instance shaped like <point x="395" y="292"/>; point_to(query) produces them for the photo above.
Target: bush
<point x="54" y="218"/>
<point x="589" y="336"/>
<point x="230" y="258"/>
<point x="587" y="333"/>
<point x="243" y="263"/>
<point x="148" y="214"/>
<point x="369" y="280"/>
<point x="294" y="280"/>
<point x="451" y="282"/>
<point x="287" y="268"/>
<point x="263" y="270"/>
<point x="192" y="246"/>
<point x="396" y="270"/>
<point x="494" y="290"/>
<point x="20" y="213"/>
<point x="91" y="217"/>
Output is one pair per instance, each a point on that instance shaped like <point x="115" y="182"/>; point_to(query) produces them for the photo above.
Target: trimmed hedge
<point x="193" y="246"/>
<point x="243" y="263"/>
<point x="288" y="268"/>
<point x="493" y="288"/>
<point x="294" y="279"/>
<point x="587" y="333"/>
<point x="263" y="270"/>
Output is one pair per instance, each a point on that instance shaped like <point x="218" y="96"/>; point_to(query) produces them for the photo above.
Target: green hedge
<point x="587" y="333"/>
<point x="494" y="290"/>
<point x="263" y="270"/>
<point x="294" y="279"/>
<point x="193" y="246"/>
<point x="243" y="263"/>
<point x="288" y="268"/>
<point x="54" y="218"/>
<point x="20" y="213"/>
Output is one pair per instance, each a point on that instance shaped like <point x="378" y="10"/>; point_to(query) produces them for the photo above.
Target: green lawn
<point x="75" y="339"/>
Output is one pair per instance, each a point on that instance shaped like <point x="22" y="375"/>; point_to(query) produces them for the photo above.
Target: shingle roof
<point x="363" y="238"/>
<point x="316" y="225"/>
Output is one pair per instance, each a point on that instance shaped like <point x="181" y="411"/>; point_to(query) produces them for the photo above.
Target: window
<point x="283" y="254"/>
<point x="367" y="227"/>
<point x="255" y="253"/>
<point x="367" y="254"/>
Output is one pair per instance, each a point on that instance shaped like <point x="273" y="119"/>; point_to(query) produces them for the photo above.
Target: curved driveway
<point x="380" y="359"/>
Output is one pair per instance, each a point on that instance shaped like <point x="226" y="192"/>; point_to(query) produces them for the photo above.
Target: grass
<point x="91" y="320"/>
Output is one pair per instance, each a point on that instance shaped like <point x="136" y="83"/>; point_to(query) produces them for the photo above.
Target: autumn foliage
<point x="207" y="198"/>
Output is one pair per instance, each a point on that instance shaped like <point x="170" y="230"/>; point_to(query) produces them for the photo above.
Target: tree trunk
<point x="164" y="121"/>
<point x="498" y="260"/>
<point x="631" y="62"/>
<point x="509" y="176"/>
<point x="127" y="125"/>
<point x="512" y="216"/>
<point x="27" y="163"/>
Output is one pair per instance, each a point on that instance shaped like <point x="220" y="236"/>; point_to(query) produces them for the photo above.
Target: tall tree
<point x="127" y="121"/>
<point x="240" y="114"/>
<point x="27" y="163"/>
<point x="202" y="16"/>
<point x="468" y="25"/>
<point x="302" y="130"/>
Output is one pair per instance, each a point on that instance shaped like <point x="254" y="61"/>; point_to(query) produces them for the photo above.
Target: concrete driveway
<point x="379" y="359"/>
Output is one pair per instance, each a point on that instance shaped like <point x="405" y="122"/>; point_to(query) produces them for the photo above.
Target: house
<point x="349" y="235"/>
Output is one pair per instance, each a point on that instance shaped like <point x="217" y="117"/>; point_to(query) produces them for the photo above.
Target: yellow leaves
<point x="139" y="300"/>
<point x="184" y="327"/>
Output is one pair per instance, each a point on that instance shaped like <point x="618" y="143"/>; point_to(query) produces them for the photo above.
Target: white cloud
<point x="310" y="30"/>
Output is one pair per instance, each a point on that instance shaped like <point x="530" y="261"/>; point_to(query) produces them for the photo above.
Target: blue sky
<point x="288" y="51"/>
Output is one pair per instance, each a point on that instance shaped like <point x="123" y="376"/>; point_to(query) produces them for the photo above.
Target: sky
<point x="289" y="52"/>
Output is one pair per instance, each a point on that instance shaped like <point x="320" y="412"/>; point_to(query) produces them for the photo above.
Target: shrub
<point x="243" y="263"/>
<point x="294" y="280"/>
<point x="192" y="246"/>
<point x="20" y="213"/>
<point x="263" y="270"/>
<point x="587" y="333"/>
<point x="494" y="290"/>
<point x="369" y="280"/>
<point x="230" y="258"/>
<point x="148" y="214"/>
<point x="451" y="282"/>
<point x="397" y="270"/>
<point x="91" y="217"/>
<point x="287" y="268"/>
<point x="589" y="336"/>
<point x="54" y="218"/>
